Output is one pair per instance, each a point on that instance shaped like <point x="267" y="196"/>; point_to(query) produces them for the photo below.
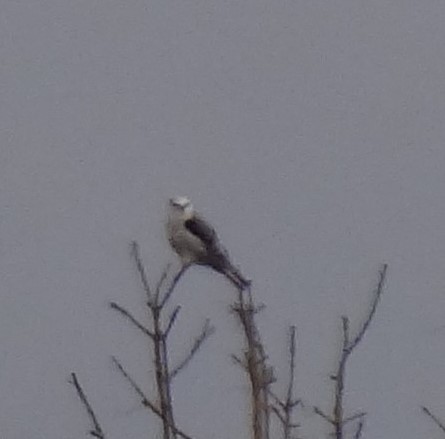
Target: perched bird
<point x="196" y="242"/>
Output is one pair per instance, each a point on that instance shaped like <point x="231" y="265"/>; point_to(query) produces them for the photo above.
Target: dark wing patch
<point x="202" y="230"/>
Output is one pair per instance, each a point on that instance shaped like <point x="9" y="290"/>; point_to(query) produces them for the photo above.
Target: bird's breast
<point x="187" y="246"/>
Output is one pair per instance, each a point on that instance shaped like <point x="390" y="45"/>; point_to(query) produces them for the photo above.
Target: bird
<point x="195" y="241"/>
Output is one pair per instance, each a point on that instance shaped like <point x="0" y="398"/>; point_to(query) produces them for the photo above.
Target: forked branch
<point x="284" y="409"/>
<point x="158" y="332"/>
<point x="337" y="419"/>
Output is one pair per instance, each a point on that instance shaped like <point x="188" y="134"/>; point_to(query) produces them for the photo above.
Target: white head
<point x="181" y="204"/>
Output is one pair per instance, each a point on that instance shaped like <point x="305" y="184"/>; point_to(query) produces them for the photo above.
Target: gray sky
<point x="309" y="132"/>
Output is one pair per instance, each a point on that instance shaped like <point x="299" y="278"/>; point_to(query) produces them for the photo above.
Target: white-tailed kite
<point x="196" y="242"/>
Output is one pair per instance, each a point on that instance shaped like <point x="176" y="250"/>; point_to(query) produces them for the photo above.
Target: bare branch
<point x="97" y="431"/>
<point x="140" y="267"/>
<point x="291" y="365"/>
<point x="290" y="403"/>
<point x="158" y="337"/>
<point x="171" y="320"/>
<point x="125" y="313"/>
<point x="206" y="332"/>
<point x="327" y="418"/>
<point x="173" y="284"/>
<point x="145" y="401"/>
<point x="284" y="409"/>
<point x="156" y="300"/>
<point x="436" y="420"/>
<point x="377" y="295"/>
<point x="161" y="283"/>
<point x="347" y="347"/>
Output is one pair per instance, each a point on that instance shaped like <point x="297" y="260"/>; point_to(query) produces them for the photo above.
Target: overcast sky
<point x="311" y="133"/>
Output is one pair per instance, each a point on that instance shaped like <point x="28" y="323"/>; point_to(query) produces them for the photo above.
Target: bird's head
<point x="181" y="204"/>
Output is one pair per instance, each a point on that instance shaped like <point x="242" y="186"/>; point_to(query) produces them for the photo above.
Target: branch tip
<point x="97" y="431"/>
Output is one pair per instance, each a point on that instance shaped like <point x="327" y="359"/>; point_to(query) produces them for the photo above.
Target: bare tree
<point x="253" y="360"/>
<point x="161" y="326"/>
<point x="337" y="418"/>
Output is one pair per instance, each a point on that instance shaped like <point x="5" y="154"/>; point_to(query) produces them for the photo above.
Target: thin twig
<point x="290" y="403"/>
<point x="292" y="350"/>
<point x="320" y="413"/>
<point x="346" y="346"/>
<point x="173" y="284"/>
<point x="141" y="269"/>
<point x="436" y="420"/>
<point x="125" y="313"/>
<point x="171" y="320"/>
<point x="377" y="295"/>
<point x="97" y="431"/>
<point x="136" y="388"/>
<point x="161" y="283"/>
<point x="145" y="401"/>
<point x="206" y="332"/>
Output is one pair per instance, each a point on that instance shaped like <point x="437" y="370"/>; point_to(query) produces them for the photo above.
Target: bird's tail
<point x="235" y="276"/>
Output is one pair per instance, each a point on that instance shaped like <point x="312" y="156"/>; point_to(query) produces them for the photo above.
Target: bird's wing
<point x="202" y="230"/>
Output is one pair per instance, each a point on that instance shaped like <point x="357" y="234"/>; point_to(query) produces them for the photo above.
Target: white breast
<point x="189" y="248"/>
